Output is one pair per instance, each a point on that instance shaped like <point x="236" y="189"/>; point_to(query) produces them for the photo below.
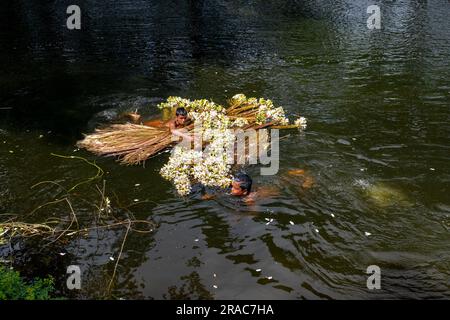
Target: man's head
<point x="181" y="115"/>
<point x="241" y="185"/>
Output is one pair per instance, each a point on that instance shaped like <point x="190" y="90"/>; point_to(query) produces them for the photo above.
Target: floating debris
<point x="41" y="136"/>
<point x="296" y="172"/>
<point x="362" y="183"/>
<point x="136" y="200"/>
<point x="367" y="234"/>
<point x="269" y="278"/>
<point x="214" y="286"/>
<point x="62" y="253"/>
<point x="317" y="230"/>
<point x="111" y="258"/>
<point x="432" y="169"/>
<point x="137" y="184"/>
<point x="332" y="215"/>
<point x="11" y="151"/>
<point x="214" y="275"/>
<point x="196" y="240"/>
<point x="343" y="141"/>
<point x="258" y="270"/>
<point x="291" y="222"/>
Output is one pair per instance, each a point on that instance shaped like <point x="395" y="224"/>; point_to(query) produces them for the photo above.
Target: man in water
<point x="175" y="125"/>
<point x="241" y="185"/>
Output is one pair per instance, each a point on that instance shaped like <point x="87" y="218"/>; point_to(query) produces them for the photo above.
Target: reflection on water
<point x="366" y="183"/>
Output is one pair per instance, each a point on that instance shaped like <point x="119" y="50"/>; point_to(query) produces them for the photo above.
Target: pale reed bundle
<point x="132" y="143"/>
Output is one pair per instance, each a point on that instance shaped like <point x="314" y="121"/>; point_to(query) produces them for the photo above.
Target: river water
<point x="376" y="149"/>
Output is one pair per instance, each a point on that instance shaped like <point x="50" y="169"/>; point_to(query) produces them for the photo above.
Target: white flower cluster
<point x="211" y="116"/>
<point x="178" y="168"/>
<point x="209" y="167"/>
<point x="239" y="122"/>
<point x="300" y="122"/>
<point x="214" y="168"/>
<point x="266" y="110"/>
<point x="175" y="102"/>
<point x="275" y="114"/>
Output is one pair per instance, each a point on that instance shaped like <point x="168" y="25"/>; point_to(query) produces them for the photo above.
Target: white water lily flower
<point x="240" y="122"/>
<point x="301" y="122"/>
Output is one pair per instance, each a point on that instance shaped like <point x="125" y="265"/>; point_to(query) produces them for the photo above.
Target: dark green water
<point x="377" y="144"/>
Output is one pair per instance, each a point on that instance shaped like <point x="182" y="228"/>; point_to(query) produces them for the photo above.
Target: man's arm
<point x="177" y="132"/>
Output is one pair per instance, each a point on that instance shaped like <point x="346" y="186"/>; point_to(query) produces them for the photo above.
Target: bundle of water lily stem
<point x="133" y="143"/>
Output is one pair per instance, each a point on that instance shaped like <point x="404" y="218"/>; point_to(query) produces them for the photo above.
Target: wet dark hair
<point x="181" y="112"/>
<point x="245" y="182"/>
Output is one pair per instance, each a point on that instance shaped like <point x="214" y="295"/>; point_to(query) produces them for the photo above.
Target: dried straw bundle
<point x="132" y="143"/>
